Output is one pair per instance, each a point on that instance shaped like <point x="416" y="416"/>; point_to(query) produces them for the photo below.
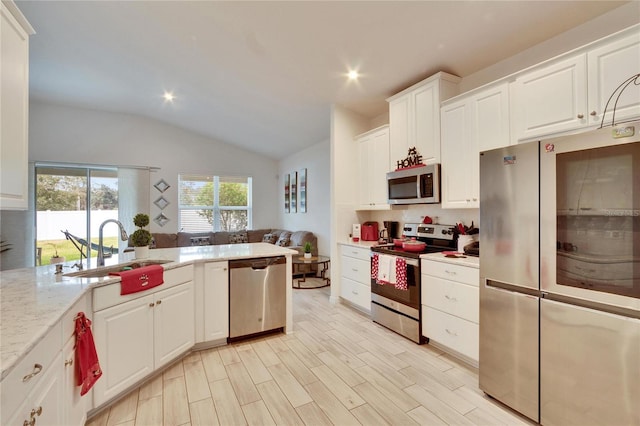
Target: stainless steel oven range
<point x="396" y="308"/>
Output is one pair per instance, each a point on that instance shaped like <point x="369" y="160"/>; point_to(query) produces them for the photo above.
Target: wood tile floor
<point x="336" y="368"/>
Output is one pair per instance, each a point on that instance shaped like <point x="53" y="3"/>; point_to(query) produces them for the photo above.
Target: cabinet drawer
<point x="356" y="269"/>
<point x="14" y="388"/>
<point x="109" y="295"/>
<point x="452" y="332"/>
<point x="357" y="252"/>
<point x="454" y="298"/>
<point x="356" y="293"/>
<point x="69" y="319"/>
<point x="448" y="271"/>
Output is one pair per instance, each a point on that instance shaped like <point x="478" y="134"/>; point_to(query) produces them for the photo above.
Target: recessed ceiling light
<point x="168" y="96"/>
<point x="353" y="75"/>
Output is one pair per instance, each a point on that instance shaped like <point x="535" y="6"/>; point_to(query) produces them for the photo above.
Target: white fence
<point x="50" y="223"/>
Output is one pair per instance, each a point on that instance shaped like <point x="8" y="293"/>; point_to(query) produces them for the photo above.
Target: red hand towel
<point x="88" y="369"/>
<point x="401" y="273"/>
<point x="140" y="279"/>
<point x="374" y="266"/>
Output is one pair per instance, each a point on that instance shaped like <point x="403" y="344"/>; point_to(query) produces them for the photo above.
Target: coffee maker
<point x="392" y="230"/>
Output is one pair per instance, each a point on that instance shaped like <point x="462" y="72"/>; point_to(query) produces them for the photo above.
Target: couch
<point x="293" y="240"/>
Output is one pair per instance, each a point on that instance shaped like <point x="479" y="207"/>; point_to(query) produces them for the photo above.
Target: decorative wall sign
<point x="161" y="202"/>
<point x="303" y="190"/>
<point x="413" y="160"/>
<point x="294" y="192"/>
<point x="161" y="185"/>
<point x="286" y="193"/>
<point x="161" y="219"/>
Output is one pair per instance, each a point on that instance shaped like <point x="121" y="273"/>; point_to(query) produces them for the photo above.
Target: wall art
<point x="294" y="192"/>
<point x="286" y="193"/>
<point x="303" y="190"/>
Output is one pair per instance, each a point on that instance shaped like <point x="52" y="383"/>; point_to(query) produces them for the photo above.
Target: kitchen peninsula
<point x="38" y="308"/>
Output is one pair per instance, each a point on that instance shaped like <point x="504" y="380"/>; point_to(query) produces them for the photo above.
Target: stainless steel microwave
<point x="415" y="185"/>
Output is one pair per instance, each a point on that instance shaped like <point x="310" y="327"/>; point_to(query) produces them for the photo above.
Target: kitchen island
<point x="35" y="301"/>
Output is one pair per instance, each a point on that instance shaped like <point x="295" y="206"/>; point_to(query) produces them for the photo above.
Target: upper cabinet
<point x="14" y="107"/>
<point x="472" y="123"/>
<point x="414" y="117"/>
<point x="572" y="93"/>
<point x="373" y="150"/>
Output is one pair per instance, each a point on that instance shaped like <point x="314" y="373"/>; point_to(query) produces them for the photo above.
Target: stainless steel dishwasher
<point x="257" y="296"/>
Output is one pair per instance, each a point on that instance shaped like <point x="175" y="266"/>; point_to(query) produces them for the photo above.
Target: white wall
<point x="73" y="135"/>
<point x="316" y="160"/>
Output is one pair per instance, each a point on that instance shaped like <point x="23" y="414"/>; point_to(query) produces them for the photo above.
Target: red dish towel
<point x="399" y="280"/>
<point x="88" y="369"/>
<point x="140" y="279"/>
<point x="401" y="273"/>
<point x="374" y="266"/>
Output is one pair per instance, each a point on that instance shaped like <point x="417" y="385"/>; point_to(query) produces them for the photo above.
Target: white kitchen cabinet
<point x="138" y="333"/>
<point x="75" y="406"/>
<point x="414" y="118"/>
<point x="355" y="280"/>
<point x="571" y="93"/>
<point x="450" y="307"/>
<point x="216" y="301"/>
<point x="373" y="151"/>
<point x="14" y="107"/>
<point x="124" y="341"/>
<point x="470" y="124"/>
<point x="174" y="323"/>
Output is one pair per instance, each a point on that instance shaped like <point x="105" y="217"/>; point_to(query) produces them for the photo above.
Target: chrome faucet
<point x="123" y="236"/>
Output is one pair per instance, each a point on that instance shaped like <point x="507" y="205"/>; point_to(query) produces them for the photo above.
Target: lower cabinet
<point x="355" y="280"/>
<point x="450" y="307"/>
<point x="136" y="337"/>
<point x="216" y="301"/>
<point x="75" y="406"/>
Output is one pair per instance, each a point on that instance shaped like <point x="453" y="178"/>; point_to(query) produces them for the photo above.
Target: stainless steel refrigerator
<point x="560" y="277"/>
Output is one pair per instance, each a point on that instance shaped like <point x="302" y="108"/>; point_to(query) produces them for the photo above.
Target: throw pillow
<point x="284" y="240"/>
<point x="240" y="237"/>
<point x="270" y="238"/>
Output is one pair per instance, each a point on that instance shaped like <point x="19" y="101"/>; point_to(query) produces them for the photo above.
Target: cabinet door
<point x="399" y="129"/>
<point x="379" y="166"/>
<point x="610" y="66"/>
<point x="551" y="99"/>
<point x="216" y="297"/>
<point x="456" y="143"/>
<point x="74" y="405"/>
<point x="491" y="118"/>
<point x="426" y="122"/>
<point x="124" y="340"/>
<point x="364" y="193"/>
<point x="174" y="323"/>
<point x="14" y="112"/>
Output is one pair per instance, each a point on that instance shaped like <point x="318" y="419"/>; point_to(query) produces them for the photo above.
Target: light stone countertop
<point x="470" y="261"/>
<point x="360" y="244"/>
<point x="33" y="300"/>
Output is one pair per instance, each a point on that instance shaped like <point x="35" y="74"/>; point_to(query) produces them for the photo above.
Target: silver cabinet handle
<point x="354" y="292"/>
<point x="450" y="272"/>
<point x="594" y="113"/>
<point x="354" y="269"/>
<point x="158" y="302"/>
<point x="68" y="362"/>
<point x="31" y="422"/>
<point x="36" y="411"/>
<point x="37" y="368"/>
<point x="580" y="116"/>
<point x="450" y="332"/>
<point x="453" y="299"/>
<point x="152" y="304"/>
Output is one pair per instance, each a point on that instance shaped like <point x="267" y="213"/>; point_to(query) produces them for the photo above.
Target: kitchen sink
<point x="103" y="272"/>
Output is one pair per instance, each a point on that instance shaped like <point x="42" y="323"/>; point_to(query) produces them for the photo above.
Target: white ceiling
<point x="262" y="75"/>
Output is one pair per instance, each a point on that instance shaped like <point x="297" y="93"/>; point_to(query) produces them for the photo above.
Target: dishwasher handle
<point x="257" y="263"/>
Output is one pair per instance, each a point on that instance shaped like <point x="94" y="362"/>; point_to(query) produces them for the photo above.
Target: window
<point x="214" y="203"/>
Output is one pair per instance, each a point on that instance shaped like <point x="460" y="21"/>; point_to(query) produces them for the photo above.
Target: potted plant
<point x="141" y="238"/>
<point x="307" y="250"/>
<point x="55" y="258"/>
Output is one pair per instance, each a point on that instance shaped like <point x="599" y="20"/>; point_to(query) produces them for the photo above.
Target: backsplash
<point x="416" y="213"/>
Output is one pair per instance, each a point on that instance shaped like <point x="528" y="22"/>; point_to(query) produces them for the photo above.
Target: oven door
<point x="590" y="217"/>
<point x="409" y="297"/>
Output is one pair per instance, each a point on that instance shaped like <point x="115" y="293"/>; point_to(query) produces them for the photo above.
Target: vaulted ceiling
<point x="262" y="75"/>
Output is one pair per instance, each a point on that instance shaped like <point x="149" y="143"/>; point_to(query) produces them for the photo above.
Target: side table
<point x="302" y="265"/>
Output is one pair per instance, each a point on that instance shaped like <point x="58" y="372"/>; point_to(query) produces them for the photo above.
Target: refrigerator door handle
<point x="512" y="287"/>
<point x="616" y="310"/>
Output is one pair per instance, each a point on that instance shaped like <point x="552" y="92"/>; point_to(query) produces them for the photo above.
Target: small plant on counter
<point x="55" y="258"/>
<point x="141" y="237"/>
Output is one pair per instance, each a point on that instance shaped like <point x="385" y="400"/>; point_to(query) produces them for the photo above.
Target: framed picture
<point x="286" y="193"/>
<point x="294" y="192"/>
<point x="303" y="190"/>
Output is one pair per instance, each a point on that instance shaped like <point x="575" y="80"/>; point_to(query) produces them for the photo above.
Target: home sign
<point x="413" y="159"/>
